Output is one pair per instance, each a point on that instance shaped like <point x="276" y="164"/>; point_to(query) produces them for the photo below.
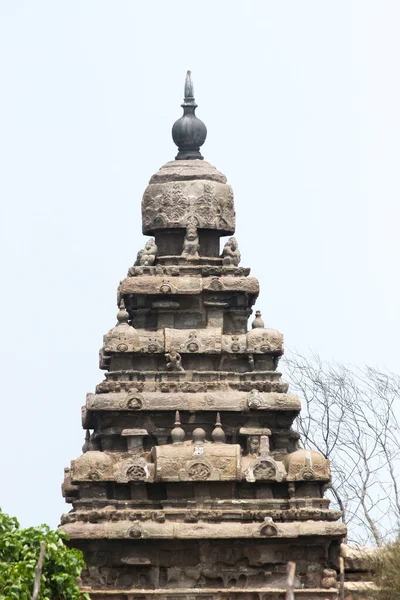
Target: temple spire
<point x="189" y="91"/>
<point x="189" y="132"/>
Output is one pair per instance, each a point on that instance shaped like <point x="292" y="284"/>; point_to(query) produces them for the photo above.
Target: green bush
<point x="19" y="553"/>
<point x="385" y="567"/>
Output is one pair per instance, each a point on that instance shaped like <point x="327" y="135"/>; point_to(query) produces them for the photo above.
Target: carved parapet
<point x="158" y="284"/>
<point x="209" y="340"/>
<point x="204" y="341"/>
<point x="181" y="267"/>
<point x="203" y="530"/>
<point x="134" y="400"/>
<point x="187" y="285"/>
<point x="188" y="462"/>
<point x="186" y="192"/>
<point x="103" y="466"/>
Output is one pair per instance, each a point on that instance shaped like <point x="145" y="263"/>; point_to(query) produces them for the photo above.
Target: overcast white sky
<point x="301" y="99"/>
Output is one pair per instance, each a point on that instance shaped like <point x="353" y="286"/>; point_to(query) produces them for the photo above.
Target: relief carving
<point x="173" y="204"/>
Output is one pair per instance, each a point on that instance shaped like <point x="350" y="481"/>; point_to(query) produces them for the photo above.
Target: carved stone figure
<point x="191" y="244"/>
<point x="147" y="256"/>
<point x="230" y="253"/>
<point x="174" y="361"/>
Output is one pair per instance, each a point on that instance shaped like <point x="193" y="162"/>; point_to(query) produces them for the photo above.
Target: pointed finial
<point x="177" y="434"/>
<point x="189" y="91"/>
<point x="122" y="315"/>
<point x="188" y="132"/>
<point x="218" y="434"/>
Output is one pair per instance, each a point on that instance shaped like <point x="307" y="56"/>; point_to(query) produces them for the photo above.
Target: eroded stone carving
<point x="191" y="244"/>
<point x="230" y="253"/>
<point x="147" y="256"/>
<point x="174" y="361"/>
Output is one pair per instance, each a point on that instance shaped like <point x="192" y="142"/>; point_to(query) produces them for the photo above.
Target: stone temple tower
<point x="192" y="483"/>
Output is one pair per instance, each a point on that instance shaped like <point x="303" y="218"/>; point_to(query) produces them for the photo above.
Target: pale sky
<point x="301" y="100"/>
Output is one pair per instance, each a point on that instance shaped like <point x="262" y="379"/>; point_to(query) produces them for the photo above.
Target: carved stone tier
<point x="188" y="285"/>
<point x="211" y="269"/>
<point x="226" y="511"/>
<point x="192" y="381"/>
<point x="186" y="531"/>
<point x="190" y="341"/>
<point x="134" y="400"/>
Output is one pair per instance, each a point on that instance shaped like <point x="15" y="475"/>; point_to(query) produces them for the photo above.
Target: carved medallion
<point x="166" y="288"/>
<point x="264" y="470"/>
<point x="136" y="473"/>
<point x="199" y="471"/>
<point x="133" y="400"/>
<point x="254" y="399"/>
<point x="269" y="528"/>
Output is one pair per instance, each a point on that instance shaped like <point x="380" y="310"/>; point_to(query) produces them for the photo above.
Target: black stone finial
<point x="188" y="132"/>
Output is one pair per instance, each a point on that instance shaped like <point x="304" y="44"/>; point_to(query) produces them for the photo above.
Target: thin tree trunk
<point x="291" y="570"/>
<point x="38" y="572"/>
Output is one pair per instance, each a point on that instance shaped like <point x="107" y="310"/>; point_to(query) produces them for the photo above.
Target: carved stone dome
<point x="123" y="337"/>
<point x="92" y="466"/>
<point x="188" y="191"/>
<point x="307" y="465"/>
<point x="263" y="340"/>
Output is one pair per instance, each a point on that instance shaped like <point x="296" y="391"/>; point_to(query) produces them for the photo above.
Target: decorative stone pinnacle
<point x="218" y="434"/>
<point x="258" y="321"/>
<point x="189" y="91"/>
<point x="177" y="434"/>
<point x="122" y="315"/>
<point x="189" y="132"/>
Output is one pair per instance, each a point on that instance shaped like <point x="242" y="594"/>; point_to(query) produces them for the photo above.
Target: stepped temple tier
<point x="192" y="483"/>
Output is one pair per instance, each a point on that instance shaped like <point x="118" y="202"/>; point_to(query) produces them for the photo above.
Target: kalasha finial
<point x="258" y="321"/>
<point x="218" y="434"/>
<point x="188" y="132"/>
<point x="122" y="315"/>
<point x="177" y="434"/>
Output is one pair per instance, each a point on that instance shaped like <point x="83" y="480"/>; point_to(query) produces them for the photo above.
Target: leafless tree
<point x="350" y="415"/>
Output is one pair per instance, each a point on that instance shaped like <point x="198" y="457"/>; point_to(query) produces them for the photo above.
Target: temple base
<point x="212" y="594"/>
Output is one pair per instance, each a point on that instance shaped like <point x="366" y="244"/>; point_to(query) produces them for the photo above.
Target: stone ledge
<point x="189" y="531"/>
<point x="200" y="401"/>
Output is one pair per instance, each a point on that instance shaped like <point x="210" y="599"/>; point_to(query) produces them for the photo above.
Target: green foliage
<point x="19" y="553"/>
<point x="385" y="567"/>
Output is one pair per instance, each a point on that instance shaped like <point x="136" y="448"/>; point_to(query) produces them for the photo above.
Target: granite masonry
<point x="192" y="483"/>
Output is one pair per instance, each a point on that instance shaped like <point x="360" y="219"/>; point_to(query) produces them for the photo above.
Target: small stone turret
<point x="192" y="484"/>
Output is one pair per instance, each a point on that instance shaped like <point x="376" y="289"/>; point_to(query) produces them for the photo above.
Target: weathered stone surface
<point x="192" y="482"/>
<point x="183" y="531"/>
<point x="209" y="401"/>
<point x="176" y="195"/>
<point x="187" y="285"/>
